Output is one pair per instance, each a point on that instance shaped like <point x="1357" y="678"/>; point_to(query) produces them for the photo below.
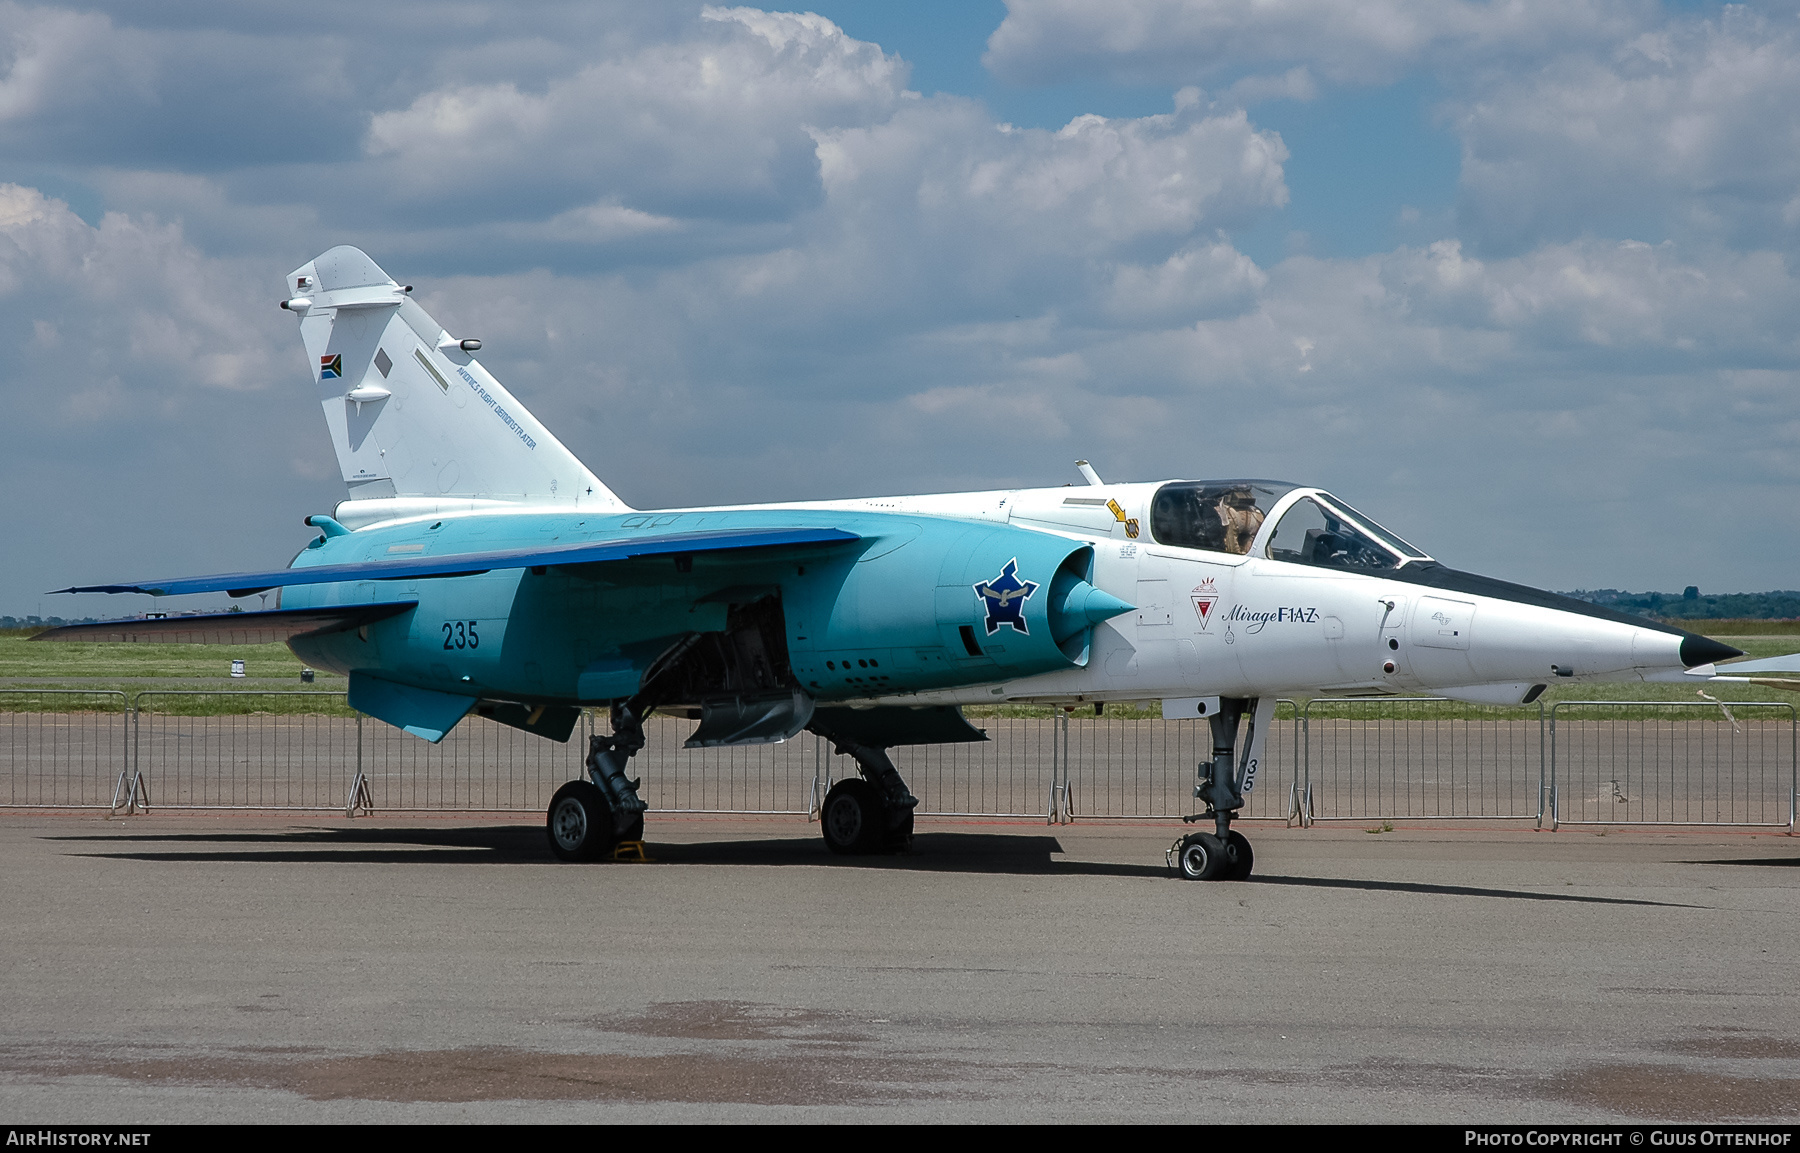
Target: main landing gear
<point x="1224" y="854"/>
<point x="872" y="815"/>
<point x="589" y="818"/>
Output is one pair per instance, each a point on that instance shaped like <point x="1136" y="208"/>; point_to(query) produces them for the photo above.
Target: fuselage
<point x="1239" y="588"/>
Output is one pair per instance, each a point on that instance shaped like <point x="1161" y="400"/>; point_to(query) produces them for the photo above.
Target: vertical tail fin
<point x="411" y="411"/>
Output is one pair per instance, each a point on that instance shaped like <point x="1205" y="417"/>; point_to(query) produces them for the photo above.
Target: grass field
<point x="28" y="668"/>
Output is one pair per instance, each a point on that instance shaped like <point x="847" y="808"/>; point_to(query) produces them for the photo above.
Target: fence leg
<point x="1543" y="782"/>
<point x="1300" y="805"/>
<point x="1555" y="785"/>
<point x="133" y="789"/>
<point x="821" y="781"/>
<point x="358" y="796"/>
<point x="1304" y="752"/>
<point x="1066" y="792"/>
<point x="125" y="735"/>
<point x="123" y="790"/>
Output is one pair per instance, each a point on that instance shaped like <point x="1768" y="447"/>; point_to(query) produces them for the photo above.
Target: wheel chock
<point x="632" y="851"/>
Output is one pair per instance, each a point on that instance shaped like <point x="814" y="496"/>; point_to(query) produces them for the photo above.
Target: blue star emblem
<point x="1005" y="597"/>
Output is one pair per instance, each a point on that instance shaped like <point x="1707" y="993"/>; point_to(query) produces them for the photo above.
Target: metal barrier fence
<point x="1360" y="760"/>
<point x="75" y="757"/>
<point x="1123" y="768"/>
<point x="1421" y="757"/>
<point x="188" y="754"/>
<point x="1673" y="764"/>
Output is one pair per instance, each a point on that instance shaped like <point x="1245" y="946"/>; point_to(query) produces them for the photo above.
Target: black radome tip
<point x="1699" y="650"/>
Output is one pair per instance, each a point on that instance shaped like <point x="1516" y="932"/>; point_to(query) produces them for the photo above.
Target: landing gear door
<point x="1258" y="741"/>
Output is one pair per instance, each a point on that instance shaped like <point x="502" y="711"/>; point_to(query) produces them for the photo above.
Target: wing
<point x="468" y="564"/>
<point x="229" y="628"/>
<point x="1771" y="672"/>
<point x="1785" y="664"/>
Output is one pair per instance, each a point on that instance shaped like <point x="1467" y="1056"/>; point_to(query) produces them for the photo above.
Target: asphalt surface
<point x="236" y="968"/>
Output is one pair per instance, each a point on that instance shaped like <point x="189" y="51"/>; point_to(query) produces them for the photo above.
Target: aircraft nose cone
<point x="1699" y="650"/>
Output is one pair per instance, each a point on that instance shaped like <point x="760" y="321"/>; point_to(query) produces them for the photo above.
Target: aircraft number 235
<point x="461" y="635"/>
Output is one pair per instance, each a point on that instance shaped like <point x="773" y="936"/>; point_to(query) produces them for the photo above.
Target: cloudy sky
<point x="1515" y="277"/>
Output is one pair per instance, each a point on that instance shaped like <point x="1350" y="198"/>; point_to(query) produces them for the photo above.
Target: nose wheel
<point x="1210" y="857"/>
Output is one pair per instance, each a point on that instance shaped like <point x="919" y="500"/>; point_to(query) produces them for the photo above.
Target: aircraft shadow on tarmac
<point x="524" y="845"/>
<point x="993" y="853"/>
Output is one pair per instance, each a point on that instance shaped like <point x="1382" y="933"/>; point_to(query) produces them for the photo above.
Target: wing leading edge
<point x="256" y="628"/>
<point x="468" y="564"/>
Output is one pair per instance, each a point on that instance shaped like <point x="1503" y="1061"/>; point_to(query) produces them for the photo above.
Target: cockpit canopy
<point x="1215" y="515"/>
<point x="1313" y="528"/>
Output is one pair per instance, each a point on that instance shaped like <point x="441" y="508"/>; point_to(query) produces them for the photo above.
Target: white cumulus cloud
<point x="1690" y="129"/>
<point x="1199" y="41"/>
<point x="714" y="124"/>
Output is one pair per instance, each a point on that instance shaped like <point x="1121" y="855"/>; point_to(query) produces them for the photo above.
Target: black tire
<point x="579" y="824"/>
<point x="853" y="818"/>
<point x="1202" y="857"/>
<point x="1242" y="859"/>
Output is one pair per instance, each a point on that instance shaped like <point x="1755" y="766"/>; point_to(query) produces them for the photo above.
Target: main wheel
<point x="580" y="822"/>
<point x="1241" y="857"/>
<point x="853" y="818"/>
<point x="1202" y="857"/>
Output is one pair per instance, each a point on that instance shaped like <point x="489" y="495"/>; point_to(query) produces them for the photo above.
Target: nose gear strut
<point x="1218" y="783"/>
<point x="1223" y="854"/>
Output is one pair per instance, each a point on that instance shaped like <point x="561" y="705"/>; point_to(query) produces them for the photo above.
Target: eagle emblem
<point x="1004" y="597"/>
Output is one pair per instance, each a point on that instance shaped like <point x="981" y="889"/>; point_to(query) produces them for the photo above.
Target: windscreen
<point x="1380" y="533"/>
<point x="1313" y="534"/>
<point x="1216" y="515"/>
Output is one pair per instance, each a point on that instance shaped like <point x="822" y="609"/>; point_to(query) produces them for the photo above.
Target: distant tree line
<point x="14" y="624"/>
<point x="1689" y="605"/>
<point x="9" y="623"/>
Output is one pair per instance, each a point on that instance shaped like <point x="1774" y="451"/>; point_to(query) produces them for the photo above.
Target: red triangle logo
<point x="1203" y="607"/>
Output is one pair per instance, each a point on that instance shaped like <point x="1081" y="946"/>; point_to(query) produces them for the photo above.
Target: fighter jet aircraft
<point x="478" y="566"/>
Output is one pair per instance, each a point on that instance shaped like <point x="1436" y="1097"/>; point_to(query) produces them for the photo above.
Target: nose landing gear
<point x="1224" y="854"/>
<point x="1204" y="857"/>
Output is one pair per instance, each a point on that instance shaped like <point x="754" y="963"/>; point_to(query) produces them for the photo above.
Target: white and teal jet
<point x="478" y="566"/>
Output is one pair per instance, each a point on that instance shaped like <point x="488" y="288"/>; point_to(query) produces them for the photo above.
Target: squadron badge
<point x="1204" y="597"/>
<point x="1005" y="597"/>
